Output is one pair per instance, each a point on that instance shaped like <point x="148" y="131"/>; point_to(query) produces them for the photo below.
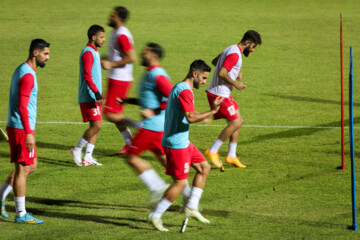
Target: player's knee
<point x="205" y="168"/>
<point x="237" y="123"/>
<point x="131" y="159"/>
<point x="97" y="126"/>
<point x="31" y="169"/>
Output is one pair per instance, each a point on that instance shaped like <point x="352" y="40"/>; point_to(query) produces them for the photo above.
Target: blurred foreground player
<point x="90" y="96"/>
<point x="227" y="71"/>
<point x="180" y="152"/>
<point x="120" y="73"/>
<point x="21" y="124"/>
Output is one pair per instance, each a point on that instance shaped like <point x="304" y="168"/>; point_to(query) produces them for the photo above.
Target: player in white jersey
<point x="227" y="72"/>
<point x="119" y="63"/>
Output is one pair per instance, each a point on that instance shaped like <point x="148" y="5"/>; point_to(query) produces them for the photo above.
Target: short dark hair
<point x="122" y="12"/>
<point x="156" y="49"/>
<point x="93" y="30"/>
<point x="38" y="44"/>
<point x="253" y="36"/>
<point x="199" y="65"/>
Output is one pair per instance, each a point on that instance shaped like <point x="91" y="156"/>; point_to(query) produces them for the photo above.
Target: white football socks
<point x="151" y="179"/>
<point x="161" y="207"/>
<point x="5" y="190"/>
<point x="89" y="150"/>
<point x="215" y="146"/>
<point x="232" y="149"/>
<point x="195" y="198"/>
<point x="127" y="136"/>
<point x="82" y="142"/>
<point x="20" y="206"/>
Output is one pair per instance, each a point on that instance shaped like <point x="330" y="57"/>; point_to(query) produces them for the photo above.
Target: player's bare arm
<point x="30" y="142"/>
<point x="193" y="117"/>
<point x="223" y="74"/>
<point x="129" y="57"/>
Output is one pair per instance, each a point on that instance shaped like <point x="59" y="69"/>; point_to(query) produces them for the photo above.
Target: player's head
<point x="39" y="49"/>
<point x="199" y="70"/>
<point x="152" y="52"/>
<point x="118" y="16"/>
<point x="251" y="39"/>
<point x="96" y="35"/>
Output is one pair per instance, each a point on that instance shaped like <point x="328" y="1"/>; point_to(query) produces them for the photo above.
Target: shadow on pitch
<point x="297" y="132"/>
<point x="308" y="99"/>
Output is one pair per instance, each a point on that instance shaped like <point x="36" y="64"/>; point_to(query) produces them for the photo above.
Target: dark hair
<point x="93" y="30"/>
<point x="38" y="44"/>
<point x="122" y="12"/>
<point x="253" y="36"/>
<point x="156" y="49"/>
<point x="199" y="65"/>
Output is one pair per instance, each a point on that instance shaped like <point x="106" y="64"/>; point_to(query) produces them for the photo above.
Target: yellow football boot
<point x="234" y="161"/>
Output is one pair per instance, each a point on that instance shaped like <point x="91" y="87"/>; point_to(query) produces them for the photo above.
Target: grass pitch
<point x="291" y="189"/>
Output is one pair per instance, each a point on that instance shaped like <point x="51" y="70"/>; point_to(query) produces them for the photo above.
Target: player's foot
<point x="214" y="158"/>
<point x="27" y="218"/>
<point x="76" y="156"/>
<point x="157" y="194"/>
<point x="235" y="161"/>
<point x="157" y="223"/>
<point x="194" y="213"/>
<point x="124" y="150"/>
<point x="90" y="161"/>
<point x="3" y="210"/>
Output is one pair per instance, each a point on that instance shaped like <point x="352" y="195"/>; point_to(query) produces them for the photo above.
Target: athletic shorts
<point x="180" y="160"/>
<point x="90" y="111"/>
<point x="147" y="140"/>
<point x="116" y="89"/>
<point x="18" y="150"/>
<point x="227" y="108"/>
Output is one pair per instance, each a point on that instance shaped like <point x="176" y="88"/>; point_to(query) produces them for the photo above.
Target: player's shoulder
<point x="123" y="31"/>
<point x="232" y="49"/>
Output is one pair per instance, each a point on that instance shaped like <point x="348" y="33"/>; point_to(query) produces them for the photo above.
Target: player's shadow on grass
<point x="308" y="99"/>
<point x="297" y="132"/>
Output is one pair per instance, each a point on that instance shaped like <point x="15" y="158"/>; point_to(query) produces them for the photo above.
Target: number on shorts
<point x="96" y="111"/>
<point x="186" y="167"/>
<point x="231" y="110"/>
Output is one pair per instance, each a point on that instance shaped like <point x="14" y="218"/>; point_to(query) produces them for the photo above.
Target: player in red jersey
<point x="120" y="73"/>
<point x="227" y="72"/>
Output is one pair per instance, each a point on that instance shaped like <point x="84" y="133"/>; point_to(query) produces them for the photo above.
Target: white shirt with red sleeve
<point x="120" y="43"/>
<point x="230" y="59"/>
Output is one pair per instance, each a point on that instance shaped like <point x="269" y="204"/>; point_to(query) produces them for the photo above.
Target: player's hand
<point x="207" y="121"/>
<point x="240" y="85"/>
<point x="100" y="102"/>
<point x="147" y="113"/>
<point x="30" y="142"/>
<point x="215" y="106"/>
<point x="121" y="101"/>
<point x="106" y="64"/>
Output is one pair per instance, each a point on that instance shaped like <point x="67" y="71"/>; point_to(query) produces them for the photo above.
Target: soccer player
<point x="180" y="152"/>
<point x="90" y="96"/>
<point x="119" y="63"/>
<point x="21" y="124"/>
<point x="227" y="71"/>
<point x="154" y="88"/>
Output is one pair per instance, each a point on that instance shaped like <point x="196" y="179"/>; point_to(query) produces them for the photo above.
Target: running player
<point x="21" y="124"/>
<point x="180" y="152"/>
<point x="120" y="74"/>
<point x="227" y="71"/>
<point x="90" y="96"/>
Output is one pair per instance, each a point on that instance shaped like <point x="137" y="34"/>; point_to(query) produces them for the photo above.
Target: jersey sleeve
<point x="124" y="43"/>
<point x="88" y="60"/>
<point x="163" y="84"/>
<point x="26" y="84"/>
<point x="186" y="99"/>
<point x="230" y="61"/>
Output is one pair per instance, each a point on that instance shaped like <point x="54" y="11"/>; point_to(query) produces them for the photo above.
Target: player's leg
<point x="91" y="135"/>
<point x="22" y="171"/>
<point x="202" y="170"/>
<point x="5" y="189"/>
<point x="231" y="158"/>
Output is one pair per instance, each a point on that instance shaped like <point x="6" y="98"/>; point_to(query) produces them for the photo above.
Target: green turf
<point x="291" y="188"/>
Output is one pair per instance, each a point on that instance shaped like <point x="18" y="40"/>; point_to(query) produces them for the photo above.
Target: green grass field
<point x="291" y="189"/>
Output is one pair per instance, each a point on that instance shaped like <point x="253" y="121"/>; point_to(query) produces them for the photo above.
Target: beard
<point x="196" y="84"/>
<point x="40" y="64"/>
<point x="246" y="51"/>
<point x="112" y="24"/>
<point x="97" y="45"/>
<point x="145" y="62"/>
